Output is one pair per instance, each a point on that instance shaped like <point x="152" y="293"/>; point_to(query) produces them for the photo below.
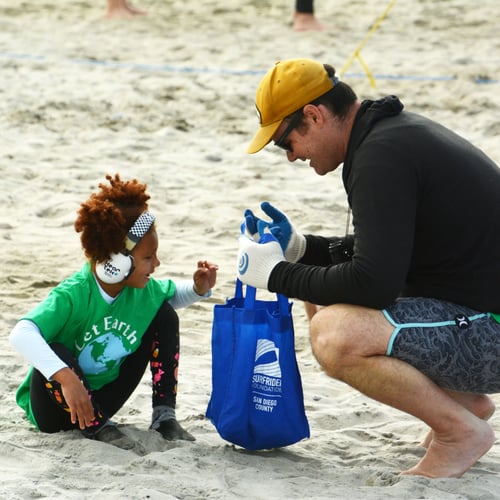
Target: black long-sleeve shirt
<point x="426" y="217"/>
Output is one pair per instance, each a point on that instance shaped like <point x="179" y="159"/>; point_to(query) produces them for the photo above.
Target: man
<point x="410" y="302"/>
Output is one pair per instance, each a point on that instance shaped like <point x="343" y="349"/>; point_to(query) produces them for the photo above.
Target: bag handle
<point x="249" y="298"/>
<point x="238" y="291"/>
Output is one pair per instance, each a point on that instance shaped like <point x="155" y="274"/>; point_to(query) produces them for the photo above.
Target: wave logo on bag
<point x="266" y="379"/>
<point x="267" y="358"/>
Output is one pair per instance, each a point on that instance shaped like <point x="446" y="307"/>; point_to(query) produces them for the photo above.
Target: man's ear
<point x="314" y="114"/>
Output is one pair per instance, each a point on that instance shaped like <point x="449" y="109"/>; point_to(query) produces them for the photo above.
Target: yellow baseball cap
<point x="287" y="86"/>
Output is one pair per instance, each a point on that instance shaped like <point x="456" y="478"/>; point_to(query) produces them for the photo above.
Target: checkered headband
<point x="139" y="229"/>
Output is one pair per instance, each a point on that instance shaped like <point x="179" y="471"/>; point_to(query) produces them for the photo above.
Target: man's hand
<point x="292" y="243"/>
<point x="251" y="225"/>
<point x="257" y="260"/>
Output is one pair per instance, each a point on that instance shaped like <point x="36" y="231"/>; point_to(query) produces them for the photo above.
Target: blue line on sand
<point x="225" y="71"/>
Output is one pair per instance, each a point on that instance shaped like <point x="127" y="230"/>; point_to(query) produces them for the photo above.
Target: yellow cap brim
<point x="263" y="137"/>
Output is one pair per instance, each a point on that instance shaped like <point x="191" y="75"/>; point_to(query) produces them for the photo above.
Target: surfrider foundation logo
<point x="266" y="379"/>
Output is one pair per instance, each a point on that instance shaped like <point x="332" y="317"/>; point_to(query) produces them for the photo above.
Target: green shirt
<point x="496" y="317"/>
<point x="101" y="335"/>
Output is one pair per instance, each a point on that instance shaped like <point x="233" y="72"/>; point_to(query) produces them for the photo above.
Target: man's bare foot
<point x="120" y="9"/>
<point x="303" y="21"/>
<point x="452" y="456"/>
<point x="480" y="405"/>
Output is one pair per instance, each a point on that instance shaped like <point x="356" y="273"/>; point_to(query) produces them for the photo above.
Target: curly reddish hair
<point x="106" y="217"/>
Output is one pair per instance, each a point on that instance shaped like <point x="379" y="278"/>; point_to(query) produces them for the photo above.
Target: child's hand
<point x="204" y="277"/>
<point x="76" y="397"/>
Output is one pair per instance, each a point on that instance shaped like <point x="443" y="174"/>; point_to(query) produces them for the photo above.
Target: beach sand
<point x="169" y="98"/>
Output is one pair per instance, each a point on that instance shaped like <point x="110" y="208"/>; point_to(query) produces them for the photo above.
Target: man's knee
<point x="330" y="339"/>
<point x="342" y="334"/>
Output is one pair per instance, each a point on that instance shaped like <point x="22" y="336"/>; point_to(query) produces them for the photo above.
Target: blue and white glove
<point x="292" y="243"/>
<point x="257" y="260"/>
<point x="253" y="227"/>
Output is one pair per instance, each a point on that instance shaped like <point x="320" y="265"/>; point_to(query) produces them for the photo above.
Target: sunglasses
<point x="293" y="124"/>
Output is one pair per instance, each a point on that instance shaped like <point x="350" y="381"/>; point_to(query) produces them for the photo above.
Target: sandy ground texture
<point x="168" y="98"/>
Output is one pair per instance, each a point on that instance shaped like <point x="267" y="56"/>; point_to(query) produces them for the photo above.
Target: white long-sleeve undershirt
<point x="27" y="339"/>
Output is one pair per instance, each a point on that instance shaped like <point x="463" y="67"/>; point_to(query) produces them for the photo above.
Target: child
<point x="91" y="339"/>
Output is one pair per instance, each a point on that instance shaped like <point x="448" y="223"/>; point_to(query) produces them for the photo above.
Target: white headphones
<point x="120" y="266"/>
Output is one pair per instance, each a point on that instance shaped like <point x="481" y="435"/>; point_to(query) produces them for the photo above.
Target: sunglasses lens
<point x="281" y="141"/>
<point x="283" y="145"/>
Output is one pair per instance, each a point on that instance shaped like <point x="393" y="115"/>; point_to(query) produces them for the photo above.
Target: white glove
<point x="293" y="243"/>
<point x="257" y="260"/>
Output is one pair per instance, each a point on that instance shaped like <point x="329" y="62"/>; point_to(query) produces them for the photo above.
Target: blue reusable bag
<point x="257" y="400"/>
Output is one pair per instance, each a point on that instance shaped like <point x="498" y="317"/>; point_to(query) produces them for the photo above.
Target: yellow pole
<point x="356" y="54"/>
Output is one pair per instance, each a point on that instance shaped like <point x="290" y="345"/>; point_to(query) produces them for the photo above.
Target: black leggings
<point x="159" y="347"/>
<point x="304" y="6"/>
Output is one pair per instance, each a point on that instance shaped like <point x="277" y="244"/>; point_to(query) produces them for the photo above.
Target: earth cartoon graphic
<point x="103" y="354"/>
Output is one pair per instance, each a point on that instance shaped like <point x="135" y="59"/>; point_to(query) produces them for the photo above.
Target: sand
<point x="168" y="98"/>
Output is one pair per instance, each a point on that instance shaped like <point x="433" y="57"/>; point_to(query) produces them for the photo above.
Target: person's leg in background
<point x="304" y="18"/>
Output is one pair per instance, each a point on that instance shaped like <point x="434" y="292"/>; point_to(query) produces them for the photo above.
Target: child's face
<point x="145" y="260"/>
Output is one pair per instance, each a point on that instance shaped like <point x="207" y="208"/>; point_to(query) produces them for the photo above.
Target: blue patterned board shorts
<point x="458" y="348"/>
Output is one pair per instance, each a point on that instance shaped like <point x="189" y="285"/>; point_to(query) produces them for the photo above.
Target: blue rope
<point x="225" y="71"/>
